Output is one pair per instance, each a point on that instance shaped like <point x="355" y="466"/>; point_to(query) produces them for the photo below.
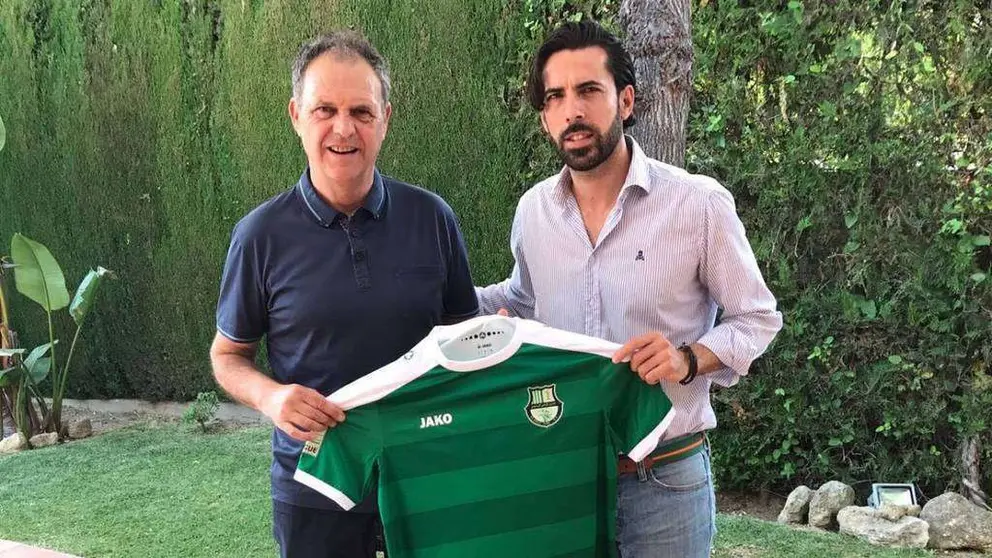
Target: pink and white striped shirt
<point x="671" y="252"/>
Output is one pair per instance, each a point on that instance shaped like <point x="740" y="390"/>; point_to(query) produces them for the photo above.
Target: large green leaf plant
<point x="38" y="276"/>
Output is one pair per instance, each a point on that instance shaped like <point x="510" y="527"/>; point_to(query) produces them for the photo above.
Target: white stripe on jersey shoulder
<point x="539" y="334"/>
<point x="650" y="442"/>
<point x="391" y="377"/>
<point x="327" y="490"/>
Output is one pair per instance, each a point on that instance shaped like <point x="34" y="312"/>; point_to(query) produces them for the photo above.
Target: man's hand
<point x="301" y="412"/>
<point x="653" y="358"/>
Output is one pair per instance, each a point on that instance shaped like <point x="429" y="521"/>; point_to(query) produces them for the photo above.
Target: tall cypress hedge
<point x="140" y="132"/>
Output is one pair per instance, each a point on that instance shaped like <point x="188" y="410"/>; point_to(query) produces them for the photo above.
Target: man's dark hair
<point x="343" y="42"/>
<point x="575" y="36"/>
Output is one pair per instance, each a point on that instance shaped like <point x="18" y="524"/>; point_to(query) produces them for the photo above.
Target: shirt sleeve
<point x="341" y="465"/>
<point x="241" y="307"/>
<point x="639" y="414"/>
<point x="729" y="270"/>
<point x="516" y="293"/>
<point x="459" y="301"/>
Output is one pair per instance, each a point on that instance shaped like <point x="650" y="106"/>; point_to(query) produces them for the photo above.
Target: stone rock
<point x="81" y="429"/>
<point x="827" y="501"/>
<point x="956" y="523"/>
<point x="13" y="443"/>
<point x="893" y="512"/>
<point x="796" y="507"/>
<point x="44" y="440"/>
<point x="874" y="526"/>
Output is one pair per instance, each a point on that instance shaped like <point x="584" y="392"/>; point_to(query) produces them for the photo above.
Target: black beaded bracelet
<point x="693" y="365"/>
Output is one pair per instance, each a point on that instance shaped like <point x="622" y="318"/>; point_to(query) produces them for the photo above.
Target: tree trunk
<point x="658" y="35"/>
<point x="972" y="481"/>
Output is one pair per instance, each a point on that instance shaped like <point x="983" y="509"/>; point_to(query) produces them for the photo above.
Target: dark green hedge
<point x="140" y="131"/>
<point x="856" y="138"/>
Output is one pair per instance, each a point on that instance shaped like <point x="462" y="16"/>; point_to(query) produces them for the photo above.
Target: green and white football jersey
<point x="495" y="437"/>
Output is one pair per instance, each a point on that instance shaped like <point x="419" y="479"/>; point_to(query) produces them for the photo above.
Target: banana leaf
<point x="37" y="275"/>
<point x="37" y="365"/>
<point x="86" y="293"/>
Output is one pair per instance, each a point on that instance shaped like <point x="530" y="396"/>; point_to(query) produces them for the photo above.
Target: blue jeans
<point x="668" y="511"/>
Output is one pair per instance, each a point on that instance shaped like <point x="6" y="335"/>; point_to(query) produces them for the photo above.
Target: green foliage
<point x="37" y="365"/>
<point x="39" y="277"/>
<point x="857" y="140"/>
<point x="203" y="410"/>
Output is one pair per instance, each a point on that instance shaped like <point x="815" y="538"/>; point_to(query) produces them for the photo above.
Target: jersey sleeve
<point x="341" y="465"/>
<point x="639" y="414"/>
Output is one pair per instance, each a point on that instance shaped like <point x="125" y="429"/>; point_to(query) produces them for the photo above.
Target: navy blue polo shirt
<point x="337" y="297"/>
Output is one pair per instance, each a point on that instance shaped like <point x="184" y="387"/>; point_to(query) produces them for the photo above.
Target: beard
<point x="591" y="156"/>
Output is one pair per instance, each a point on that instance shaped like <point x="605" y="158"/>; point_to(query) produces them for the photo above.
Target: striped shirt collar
<point x="638" y="175"/>
<point x="375" y="201"/>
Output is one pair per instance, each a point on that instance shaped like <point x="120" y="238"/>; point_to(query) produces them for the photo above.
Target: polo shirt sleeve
<point x="459" y="296"/>
<point x="241" y="308"/>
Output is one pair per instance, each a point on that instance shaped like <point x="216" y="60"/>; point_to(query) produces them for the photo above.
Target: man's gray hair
<point x="342" y="42"/>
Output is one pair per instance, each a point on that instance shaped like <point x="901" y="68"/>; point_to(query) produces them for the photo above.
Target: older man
<point x="341" y="274"/>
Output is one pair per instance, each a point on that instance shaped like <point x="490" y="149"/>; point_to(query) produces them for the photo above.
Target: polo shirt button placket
<point x="359" y="254"/>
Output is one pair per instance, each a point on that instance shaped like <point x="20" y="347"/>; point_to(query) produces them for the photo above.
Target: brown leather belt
<point x="671" y="451"/>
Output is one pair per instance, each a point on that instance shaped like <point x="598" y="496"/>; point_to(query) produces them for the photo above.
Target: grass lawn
<point x="161" y="491"/>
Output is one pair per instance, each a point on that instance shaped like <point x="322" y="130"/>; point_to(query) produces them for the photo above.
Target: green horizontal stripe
<point x="481" y="519"/>
<point x="577" y="538"/>
<point x="498" y="480"/>
<point x="477" y="449"/>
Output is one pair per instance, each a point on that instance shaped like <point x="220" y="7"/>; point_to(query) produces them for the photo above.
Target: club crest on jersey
<point x="312" y="448"/>
<point x="543" y="406"/>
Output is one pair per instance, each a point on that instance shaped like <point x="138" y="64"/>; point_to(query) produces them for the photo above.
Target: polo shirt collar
<point x="326" y="215"/>
<point x="638" y="175"/>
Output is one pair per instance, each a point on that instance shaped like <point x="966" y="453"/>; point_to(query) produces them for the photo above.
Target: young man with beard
<point x="341" y="273"/>
<point x="626" y="248"/>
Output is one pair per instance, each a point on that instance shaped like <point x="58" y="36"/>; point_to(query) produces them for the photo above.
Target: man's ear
<point x="626" y="102"/>
<point x="544" y="125"/>
<point x="294" y="114"/>
<point x="388" y="112"/>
